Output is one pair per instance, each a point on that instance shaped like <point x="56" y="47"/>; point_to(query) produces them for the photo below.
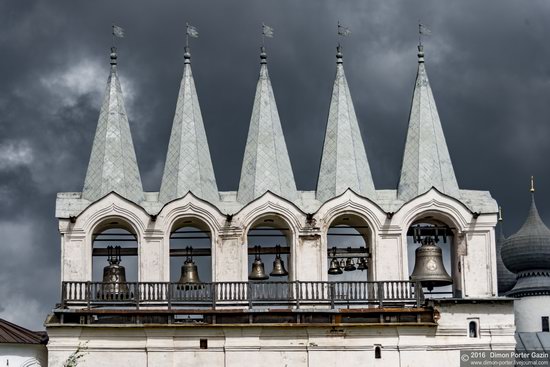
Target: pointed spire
<point x="113" y="164"/>
<point x="344" y="162"/>
<point x="426" y="160"/>
<point x="188" y="165"/>
<point x="266" y="164"/>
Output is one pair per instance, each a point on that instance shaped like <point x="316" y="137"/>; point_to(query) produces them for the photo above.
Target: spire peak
<point x="344" y="163"/>
<point x="113" y="164"/>
<point x="266" y="164"/>
<point x="188" y="166"/>
<point x="532" y="190"/>
<point x="426" y="161"/>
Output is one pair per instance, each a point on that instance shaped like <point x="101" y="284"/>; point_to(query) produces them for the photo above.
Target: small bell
<point x="334" y="268"/>
<point x="350" y="265"/>
<point x="429" y="269"/>
<point x="362" y="264"/>
<point x="278" y="265"/>
<point x="258" y="270"/>
<point x="189" y="273"/>
<point x="114" y="277"/>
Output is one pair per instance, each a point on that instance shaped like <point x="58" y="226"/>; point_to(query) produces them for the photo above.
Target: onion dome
<point x="527" y="253"/>
<point x="506" y="279"/>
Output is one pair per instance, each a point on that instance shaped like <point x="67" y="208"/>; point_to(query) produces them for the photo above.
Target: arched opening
<point x="190" y="252"/>
<point x="432" y="256"/>
<point x="473" y="329"/>
<point x="348" y="249"/>
<point x="114" y="260"/>
<point x="269" y="250"/>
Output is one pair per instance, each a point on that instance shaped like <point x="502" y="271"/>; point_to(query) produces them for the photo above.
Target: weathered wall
<point x="21" y="355"/>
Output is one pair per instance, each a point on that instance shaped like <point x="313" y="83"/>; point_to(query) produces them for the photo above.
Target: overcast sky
<point x="488" y="62"/>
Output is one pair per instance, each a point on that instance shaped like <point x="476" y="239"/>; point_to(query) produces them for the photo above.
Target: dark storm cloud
<point x="488" y="62"/>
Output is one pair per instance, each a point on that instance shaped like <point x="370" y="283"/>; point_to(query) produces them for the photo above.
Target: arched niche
<point x="349" y="242"/>
<point x="440" y="230"/>
<point x="267" y="236"/>
<point x="191" y="240"/>
<point x="115" y="236"/>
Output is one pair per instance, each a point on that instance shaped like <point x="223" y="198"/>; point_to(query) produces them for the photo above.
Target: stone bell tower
<point x="185" y="275"/>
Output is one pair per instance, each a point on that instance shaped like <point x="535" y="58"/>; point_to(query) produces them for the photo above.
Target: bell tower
<point x="348" y="274"/>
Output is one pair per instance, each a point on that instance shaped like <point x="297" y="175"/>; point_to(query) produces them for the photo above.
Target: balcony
<point x="289" y="295"/>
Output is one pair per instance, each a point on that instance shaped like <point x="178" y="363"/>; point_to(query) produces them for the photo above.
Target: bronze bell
<point x="258" y="270"/>
<point x="362" y="264"/>
<point x="278" y="265"/>
<point x="428" y="266"/>
<point x="350" y="265"/>
<point x="114" y="276"/>
<point x="189" y="275"/>
<point x="334" y="268"/>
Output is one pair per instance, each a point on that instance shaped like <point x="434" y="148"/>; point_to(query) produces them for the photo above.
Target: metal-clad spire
<point x="426" y="160"/>
<point x="344" y="162"/>
<point x="266" y="164"/>
<point x="113" y="165"/>
<point x="188" y="164"/>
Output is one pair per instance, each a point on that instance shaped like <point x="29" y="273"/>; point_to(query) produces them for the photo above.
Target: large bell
<point x="428" y="266"/>
<point x="114" y="284"/>
<point x="334" y="268"/>
<point x="258" y="270"/>
<point x="350" y="265"/>
<point x="278" y="265"/>
<point x="189" y="275"/>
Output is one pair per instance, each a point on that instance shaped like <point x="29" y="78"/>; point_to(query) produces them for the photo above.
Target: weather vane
<point x="343" y="31"/>
<point x="118" y="32"/>
<point x="267" y="31"/>
<point x="422" y="31"/>
<point x="190" y="31"/>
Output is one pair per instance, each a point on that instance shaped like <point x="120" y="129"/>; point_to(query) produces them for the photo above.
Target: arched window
<point x="269" y="255"/>
<point x="431" y="257"/>
<point x="473" y="329"/>
<point x="191" y="252"/>
<point x="114" y="260"/>
<point x="348" y="249"/>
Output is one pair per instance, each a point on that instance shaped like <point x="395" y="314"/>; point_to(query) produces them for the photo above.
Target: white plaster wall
<point x="303" y="346"/>
<point x="21" y="355"/>
<point x="529" y="311"/>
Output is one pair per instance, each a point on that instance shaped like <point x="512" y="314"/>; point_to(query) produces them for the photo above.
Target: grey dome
<point x="506" y="279"/>
<point x="529" y="248"/>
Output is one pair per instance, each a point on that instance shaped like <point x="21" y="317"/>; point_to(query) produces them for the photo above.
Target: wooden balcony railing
<point x="251" y="294"/>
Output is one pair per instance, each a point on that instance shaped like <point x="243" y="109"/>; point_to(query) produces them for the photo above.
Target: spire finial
<point x="500" y="214"/>
<point x="339" y="54"/>
<point x="532" y="184"/>
<point x="263" y="55"/>
<point x="113" y="56"/>
<point x="187" y="55"/>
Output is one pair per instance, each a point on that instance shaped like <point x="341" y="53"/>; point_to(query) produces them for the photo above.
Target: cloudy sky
<point x="488" y="61"/>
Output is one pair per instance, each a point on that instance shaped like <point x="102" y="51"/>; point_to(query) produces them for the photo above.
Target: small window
<point x="472" y="329"/>
<point x="378" y="352"/>
<point x="204" y="343"/>
<point x="545" y="324"/>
